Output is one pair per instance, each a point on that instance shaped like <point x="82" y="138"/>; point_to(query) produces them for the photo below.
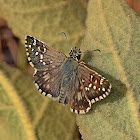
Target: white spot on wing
<point x="86" y="88"/>
<point x="44" y="63"/>
<point x="71" y="109"/>
<point x="44" y="49"/>
<point x="91" y="76"/>
<point x="36" y="53"/>
<point x="93" y="101"/>
<point x="90" y="85"/>
<point x="96" y="99"/>
<point x="29" y="59"/>
<point x="104" y="95"/>
<point x="27" y="53"/>
<point x="100" y="97"/>
<point x="31" y="64"/>
<point x="94" y="87"/>
<point x="76" y="111"/>
<point x="41" y="56"/>
<point x="81" y="111"/>
<point x="34" y="42"/>
<point x="83" y="80"/>
<point x="36" y="85"/>
<point x="103" y="89"/>
<point x="88" y="107"/>
<point x="43" y="93"/>
<point x="40" y="90"/>
<point x="35" y="72"/>
<point x="101" y="81"/>
<point x="49" y="95"/>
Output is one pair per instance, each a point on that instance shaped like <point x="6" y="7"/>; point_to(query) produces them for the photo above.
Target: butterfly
<point x="63" y="78"/>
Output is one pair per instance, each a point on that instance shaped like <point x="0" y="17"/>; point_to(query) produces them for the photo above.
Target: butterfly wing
<point x="47" y="64"/>
<point x="91" y="88"/>
<point x="41" y="56"/>
<point x="95" y="86"/>
<point x="79" y="102"/>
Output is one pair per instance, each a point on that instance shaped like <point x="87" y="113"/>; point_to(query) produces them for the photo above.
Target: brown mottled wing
<point x="47" y="64"/>
<point x="41" y="56"/>
<point x="95" y="86"/>
<point x="89" y="87"/>
<point x="79" y="102"/>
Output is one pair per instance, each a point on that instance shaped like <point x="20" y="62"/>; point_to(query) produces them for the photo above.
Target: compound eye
<point x="78" y="57"/>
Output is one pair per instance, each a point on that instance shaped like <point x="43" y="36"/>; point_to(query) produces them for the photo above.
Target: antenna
<point x="91" y="51"/>
<point x="66" y="38"/>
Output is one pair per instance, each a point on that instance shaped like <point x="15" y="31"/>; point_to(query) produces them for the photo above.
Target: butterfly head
<point x="75" y="53"/>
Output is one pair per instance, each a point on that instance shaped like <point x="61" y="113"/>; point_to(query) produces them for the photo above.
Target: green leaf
<point x="114" y="28"/>
<point x="46" y="19"/>
<point x="27" y="115"/>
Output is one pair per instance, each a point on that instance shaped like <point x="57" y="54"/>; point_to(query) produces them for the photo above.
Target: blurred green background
<point x="111" y="26"/>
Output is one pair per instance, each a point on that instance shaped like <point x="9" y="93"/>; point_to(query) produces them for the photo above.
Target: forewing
<point x="41" y="56"/>
<point x="47" y="64"/>
<point x="95" y="86"/>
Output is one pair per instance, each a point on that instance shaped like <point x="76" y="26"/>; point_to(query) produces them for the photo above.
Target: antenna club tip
<point x="97" y="50"/>
<point x="63" y="33"/>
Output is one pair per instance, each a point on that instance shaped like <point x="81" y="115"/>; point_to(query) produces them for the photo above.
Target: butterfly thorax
<point x="69" y="67"/>
<point x="75" y="53"/>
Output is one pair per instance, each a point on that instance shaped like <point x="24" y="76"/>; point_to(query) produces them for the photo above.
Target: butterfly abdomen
<point x="62" y="96"/>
